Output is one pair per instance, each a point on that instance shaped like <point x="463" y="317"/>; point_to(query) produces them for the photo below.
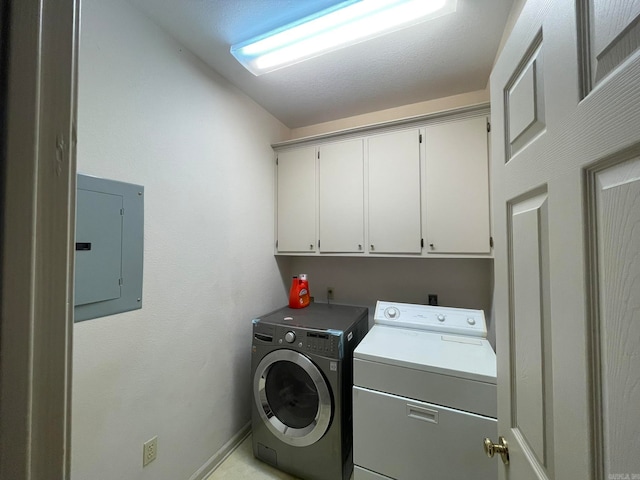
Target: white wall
<point x="465" y="283"/>
<point x="153" y="114"/>
<point x="514" y="14"/>
<point x="397" y="113"/>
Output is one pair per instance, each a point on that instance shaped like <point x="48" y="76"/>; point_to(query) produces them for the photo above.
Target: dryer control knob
<point x="471" y="321"/>
<point x="440" y="317"/>
<point x="391" y="312"/>
<point x="290" y="337"/>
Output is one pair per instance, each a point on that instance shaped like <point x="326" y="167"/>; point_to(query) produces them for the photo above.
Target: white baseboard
<point x="221" y="455"/>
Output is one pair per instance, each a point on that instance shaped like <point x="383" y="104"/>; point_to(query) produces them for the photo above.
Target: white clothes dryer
<point x="424" y="395"/>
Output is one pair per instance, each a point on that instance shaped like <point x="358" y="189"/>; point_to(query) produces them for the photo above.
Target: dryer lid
<point x="455" y="355"/>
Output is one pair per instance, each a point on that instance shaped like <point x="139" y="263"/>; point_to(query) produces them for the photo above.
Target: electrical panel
<point x="109" y="247"/>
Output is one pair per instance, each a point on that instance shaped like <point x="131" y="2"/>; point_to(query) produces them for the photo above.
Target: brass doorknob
<point x="501" y="448"/>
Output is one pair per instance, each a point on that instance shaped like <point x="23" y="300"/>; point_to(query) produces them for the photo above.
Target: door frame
<point x="40" y="45"/>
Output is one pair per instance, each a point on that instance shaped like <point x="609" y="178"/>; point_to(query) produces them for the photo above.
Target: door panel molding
<point x="618" y="174"/>
<point x="602" y="47"/>
<point x="583" y="26"/>
<point x="524" y="100"/>
<point x="529" y="326"/>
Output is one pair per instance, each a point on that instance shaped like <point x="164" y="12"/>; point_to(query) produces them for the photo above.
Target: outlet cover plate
<point x="149" y="451"/>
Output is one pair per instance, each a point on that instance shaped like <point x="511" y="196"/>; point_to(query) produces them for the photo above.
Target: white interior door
<point x="565" y="97"/>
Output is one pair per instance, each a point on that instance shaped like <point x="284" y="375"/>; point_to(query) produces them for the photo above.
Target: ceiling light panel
<point x="345" y="24"/>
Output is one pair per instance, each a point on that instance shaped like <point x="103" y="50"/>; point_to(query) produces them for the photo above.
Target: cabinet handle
<point x="432" y="246"/>
<point x="372" y="247"/>
<point x="359" y="246"/>
<point x="311" y="246"/>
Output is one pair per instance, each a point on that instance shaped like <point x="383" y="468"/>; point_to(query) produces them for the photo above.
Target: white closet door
<point x="394" y="192"/>
<point x="457" y="187"/>
<point x="297" y="200"/>
<point x="341" y="197"/>
<point x="565" y="106"/>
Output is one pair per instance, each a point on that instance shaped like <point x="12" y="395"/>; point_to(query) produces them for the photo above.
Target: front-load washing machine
<point x="302" y="379"/>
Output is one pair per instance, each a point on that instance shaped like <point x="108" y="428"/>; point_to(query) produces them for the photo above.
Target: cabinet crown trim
<point x="418" y="120"/>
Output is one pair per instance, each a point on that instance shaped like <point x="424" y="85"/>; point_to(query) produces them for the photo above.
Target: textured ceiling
<point x="450" y="55"/>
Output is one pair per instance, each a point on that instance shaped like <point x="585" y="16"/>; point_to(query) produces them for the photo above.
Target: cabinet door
<point x="341" y="197"/>
<point x="297" y="200"/>
<point x="394" y="192"/>
<point x="457" y="187"/>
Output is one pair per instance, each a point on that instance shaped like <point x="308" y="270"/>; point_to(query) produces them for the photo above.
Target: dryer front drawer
<point x="409" y="440"/>
<point x="360" y="473"/>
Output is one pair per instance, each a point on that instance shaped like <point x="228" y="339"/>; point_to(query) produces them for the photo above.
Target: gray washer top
<point x="320" y="316"/>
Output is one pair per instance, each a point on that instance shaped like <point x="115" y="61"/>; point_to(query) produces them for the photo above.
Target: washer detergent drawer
<point x="409" y="440"/>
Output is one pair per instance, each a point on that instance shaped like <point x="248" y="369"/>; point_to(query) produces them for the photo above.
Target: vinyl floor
<point x="241" y="464"/>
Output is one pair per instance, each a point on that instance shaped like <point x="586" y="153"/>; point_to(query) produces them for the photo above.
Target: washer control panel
<point x="459" y="321"/>
<point x="324" y="342"/>
<point x="328" y="343"/>
<point x="321" y="342"/>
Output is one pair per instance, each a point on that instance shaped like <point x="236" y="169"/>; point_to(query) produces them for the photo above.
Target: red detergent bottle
<point x="299" y="293"/>
<point x="305" y="294"/>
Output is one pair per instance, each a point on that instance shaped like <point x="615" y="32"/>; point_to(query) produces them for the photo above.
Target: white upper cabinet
<point x="394" y="192"/>
<point x="341" y="186"/>
<point x="422" y="190"/>
<point x="296" y="202"/>
<point x="457" y="187"/>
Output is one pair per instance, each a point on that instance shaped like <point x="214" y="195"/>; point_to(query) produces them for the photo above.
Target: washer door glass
<point x="291" y="394"/>
<point x="292" y="397"/>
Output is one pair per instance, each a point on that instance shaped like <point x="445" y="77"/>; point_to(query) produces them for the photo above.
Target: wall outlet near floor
<point x="329" y="293"/>
<point x="149" y="451"/>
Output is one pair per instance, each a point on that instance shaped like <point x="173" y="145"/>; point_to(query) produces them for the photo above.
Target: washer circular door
<point x="293" y="397"/>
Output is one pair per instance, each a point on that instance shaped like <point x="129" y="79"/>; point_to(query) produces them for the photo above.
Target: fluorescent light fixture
<point x="345" y="24"/>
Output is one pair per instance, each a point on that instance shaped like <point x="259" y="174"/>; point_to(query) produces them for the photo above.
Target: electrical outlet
<point x="149" y="451"/>
<point x="433" y="299"/>
<point x="329" y="293"/>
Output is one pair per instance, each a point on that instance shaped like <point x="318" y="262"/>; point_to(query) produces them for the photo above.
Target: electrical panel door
<point x="109" y="247"/>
